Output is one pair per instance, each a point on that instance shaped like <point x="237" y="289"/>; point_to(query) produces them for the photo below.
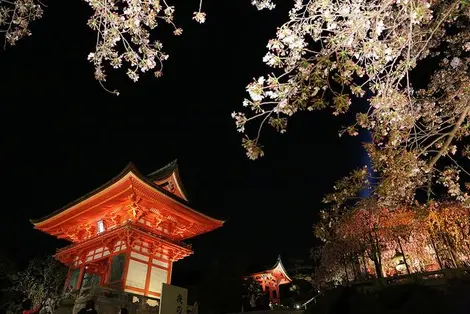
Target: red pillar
<point x="147" y="278"/>
<point x="126" y="267"/>
<point x="67" y="280"/>
<point x="108" y="270"/>
<point x="80" y="277"/>
<point x="263" y="285"/>
<point x="170" y="270"/>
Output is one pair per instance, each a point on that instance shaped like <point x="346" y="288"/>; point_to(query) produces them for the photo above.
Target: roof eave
<point x="130" y="168"/>
<point x="279" y="263"/>
<point x="164" y="172"/>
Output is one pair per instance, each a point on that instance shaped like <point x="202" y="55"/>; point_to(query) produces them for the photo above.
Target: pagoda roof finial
<point x="164" y="171"/>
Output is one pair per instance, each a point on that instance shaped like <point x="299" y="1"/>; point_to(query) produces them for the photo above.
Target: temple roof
<point x="164" y="172"/>
<point x="131" y="170"/>
<point x="278" y="267"/>
<point x="162" y="177"/>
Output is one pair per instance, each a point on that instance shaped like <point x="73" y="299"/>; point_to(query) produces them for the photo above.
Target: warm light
<point x="400" y="267"/>
<point x="297" y="306"/>
<point x="100" y="225"/>
<point x="152" y="303"/>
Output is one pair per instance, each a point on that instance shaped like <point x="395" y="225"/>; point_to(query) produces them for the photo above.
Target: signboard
<point x="173" y="300"/>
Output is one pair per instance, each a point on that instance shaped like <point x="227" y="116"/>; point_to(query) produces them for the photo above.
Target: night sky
<point x="63" y="135"/>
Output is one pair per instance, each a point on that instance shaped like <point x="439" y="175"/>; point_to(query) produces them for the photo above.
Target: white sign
<point x="173" y="300"/>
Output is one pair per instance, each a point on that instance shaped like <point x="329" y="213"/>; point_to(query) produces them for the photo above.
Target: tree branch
<point x="449" y="139"/>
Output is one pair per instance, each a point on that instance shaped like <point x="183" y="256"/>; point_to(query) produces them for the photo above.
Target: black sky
<point x="63" y="136"/>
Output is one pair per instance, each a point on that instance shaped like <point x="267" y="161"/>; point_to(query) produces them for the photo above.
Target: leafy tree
<point x="7" y="268"/>
<point x="252" y="288"/>
<point x="298" y="292"/>
<point x="301" y="268"/>
<point x="42" y="281"/>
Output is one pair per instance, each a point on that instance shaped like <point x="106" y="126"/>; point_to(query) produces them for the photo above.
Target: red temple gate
<point x="127" y="234"/>
<point x="270" y="280"/>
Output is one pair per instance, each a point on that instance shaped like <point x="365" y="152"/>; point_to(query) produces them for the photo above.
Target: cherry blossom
<point x="329" y="54"/>
<point x="369" y="240"/>
<point x="124" y="32"/>
<point x="16" y="16"/>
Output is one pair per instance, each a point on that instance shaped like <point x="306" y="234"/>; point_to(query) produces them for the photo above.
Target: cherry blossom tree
<point x="356" y="235"/>
<point x="123" y="32"/>
<point x="369" y="240"/>
<point x="332" y="54"/>
<point x="337" y="54"/>
<point x="448" y="224"/>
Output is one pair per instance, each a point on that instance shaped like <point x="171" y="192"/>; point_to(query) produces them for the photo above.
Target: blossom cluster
<point x="16" y="16"/>
<point x="123" y="32"/>
<point x="357" y="38"/>
<point x="124" y="35"/>
<point x="329" y="54"/>
<point x="263" y="4"/>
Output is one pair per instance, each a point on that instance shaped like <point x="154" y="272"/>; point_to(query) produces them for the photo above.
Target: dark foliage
<point x="40" y="282"/>
<point x="402" y="299"/>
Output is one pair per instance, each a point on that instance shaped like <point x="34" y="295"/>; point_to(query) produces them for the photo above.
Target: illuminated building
<point x="270" y="280"/>
<point x="127" y="234"/>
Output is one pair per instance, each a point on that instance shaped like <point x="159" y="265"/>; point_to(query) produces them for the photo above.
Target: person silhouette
<point x="123" y="311"/>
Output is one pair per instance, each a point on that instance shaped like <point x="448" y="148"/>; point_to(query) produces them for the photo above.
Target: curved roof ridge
<point x="280" y="264"/>
<point x="164" y="171"/>
<point x="129" y="168"/>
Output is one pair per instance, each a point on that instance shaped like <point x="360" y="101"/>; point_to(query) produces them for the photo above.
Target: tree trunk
<point x="429" y="189"/>
<point x="449" y="138"/>
<point x="465" y="237"/>
<point x="365" y="265"/>
<point x="357" y="267"/>
<point x="378" y="254"/>
<point x="451" y="250"/>
<point x="378" y="268"/>
<point x="435" y="250"/>
<point x="374" y="256"/>
<point x="345" y="269"/>
<point x="404" y="256"/>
